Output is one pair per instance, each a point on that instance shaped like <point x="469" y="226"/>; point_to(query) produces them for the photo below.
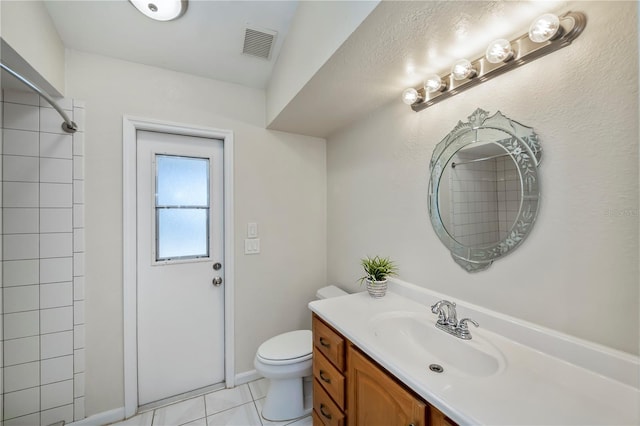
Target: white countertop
<point x="530" y="387"/>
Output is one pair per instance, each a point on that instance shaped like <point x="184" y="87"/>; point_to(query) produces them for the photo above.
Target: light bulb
<point x="545" y="27"/>
<point x="499" y="51"/>
<point x="411" y="96"/>
<point x="433" y="84"/>
<point x="161" y="10"/>
<point x="462" y="69"/>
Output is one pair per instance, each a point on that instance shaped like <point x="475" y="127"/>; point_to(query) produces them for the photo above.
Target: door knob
<point x="217" y="281"/>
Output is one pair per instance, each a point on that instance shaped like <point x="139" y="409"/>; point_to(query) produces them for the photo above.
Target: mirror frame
<point x="524" y="148"/>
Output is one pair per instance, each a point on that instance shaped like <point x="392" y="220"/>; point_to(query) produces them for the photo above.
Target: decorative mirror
<point x="484" y="190"/>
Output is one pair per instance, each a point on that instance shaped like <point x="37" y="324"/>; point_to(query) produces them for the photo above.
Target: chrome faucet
<point x="445" y="318"/>
<point x="448" y="320"/>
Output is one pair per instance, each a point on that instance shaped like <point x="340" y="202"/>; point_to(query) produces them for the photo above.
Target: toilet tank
<point x="330" y="291"/>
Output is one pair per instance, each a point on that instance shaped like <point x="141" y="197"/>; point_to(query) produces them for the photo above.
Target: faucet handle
<point x="463" y="328"/>
<point x="463" y="323"/>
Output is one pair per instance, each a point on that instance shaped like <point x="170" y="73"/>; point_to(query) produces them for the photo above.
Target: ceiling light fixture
<point x="161" y="10"/>
<point x="546" y="34"/>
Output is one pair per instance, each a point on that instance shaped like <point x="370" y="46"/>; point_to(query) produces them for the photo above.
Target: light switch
<point x="252" y="246"/>
<point x="252" y="230"/>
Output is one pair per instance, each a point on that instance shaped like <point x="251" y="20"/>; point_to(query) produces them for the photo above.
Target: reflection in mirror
<point x="479" y="195"/>
<point x="483" y="192"/>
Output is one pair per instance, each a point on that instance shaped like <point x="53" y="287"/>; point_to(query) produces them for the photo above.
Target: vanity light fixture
<point x="546" y="34"/>
<point x="434" y="84"/>
<point x="463" y="69"/>
<point x="411" y="96"/>
<point x="545" y="27"/>
<point x="161" y="10"/>
<point x="499" y="51"/>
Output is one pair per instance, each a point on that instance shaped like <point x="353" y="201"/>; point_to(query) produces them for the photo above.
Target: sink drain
<point x="436" y="368"/>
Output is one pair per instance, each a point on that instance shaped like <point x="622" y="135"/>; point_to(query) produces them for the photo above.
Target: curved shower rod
<point x="68" y="125"/>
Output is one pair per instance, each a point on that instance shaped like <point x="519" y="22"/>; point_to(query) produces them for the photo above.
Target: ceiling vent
<point x="258" y="42"/>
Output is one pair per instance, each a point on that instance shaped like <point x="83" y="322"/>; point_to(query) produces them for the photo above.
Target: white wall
<point x="28" y="29"/>
<point x="280" y="183"/>
<point x="318" y="29"/>
<point x="578" y="270"/>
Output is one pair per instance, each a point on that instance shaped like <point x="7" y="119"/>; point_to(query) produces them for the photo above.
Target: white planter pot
<point x="377" y="289"/>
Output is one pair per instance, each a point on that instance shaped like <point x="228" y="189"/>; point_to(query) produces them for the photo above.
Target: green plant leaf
<point x="377" y="268"/>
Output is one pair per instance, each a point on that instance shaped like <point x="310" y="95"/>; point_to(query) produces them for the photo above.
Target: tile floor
<point x="240" y="406"/>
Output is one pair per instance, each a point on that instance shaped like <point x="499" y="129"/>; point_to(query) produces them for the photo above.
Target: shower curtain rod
<point x="68" y="125"/>
<point x="453" y="165"/>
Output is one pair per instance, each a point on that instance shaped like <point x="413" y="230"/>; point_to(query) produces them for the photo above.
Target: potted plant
<point x="377" y="269"/>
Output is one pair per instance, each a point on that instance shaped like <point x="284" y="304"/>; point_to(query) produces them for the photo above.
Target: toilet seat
<point x="287" y="348"/>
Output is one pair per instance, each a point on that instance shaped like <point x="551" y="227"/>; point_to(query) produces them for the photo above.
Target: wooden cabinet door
<point x="375" y="399"/>
<point x="437" y="418"/>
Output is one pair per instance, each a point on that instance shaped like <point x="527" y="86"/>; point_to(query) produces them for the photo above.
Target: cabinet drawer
<point x="324" y="407"/>
<point x="330" y="343"/>
<point x="328" y="377"/>
<point x="316" y="419"/>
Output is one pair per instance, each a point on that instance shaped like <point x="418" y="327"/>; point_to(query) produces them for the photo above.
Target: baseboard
<point x="246" y="377"/>
<point x="117" y="414"/>
<point x="100" y="419"/>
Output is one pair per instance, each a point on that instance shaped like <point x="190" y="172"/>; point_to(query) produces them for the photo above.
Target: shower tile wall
<point x="42" y="262"/>
<point x="475" y="203"/>
<point x="509" y="192"/>
<point x="485" y="200"/>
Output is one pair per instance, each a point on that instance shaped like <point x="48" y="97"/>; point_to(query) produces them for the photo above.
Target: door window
<point x="181" y="208"/>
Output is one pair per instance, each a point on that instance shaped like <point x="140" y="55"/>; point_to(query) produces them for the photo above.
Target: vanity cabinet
<point x="350" y="389"/>
<point x="328" y="375"/>
<point x="377" y="399"/>
<point x="437" y="418"/>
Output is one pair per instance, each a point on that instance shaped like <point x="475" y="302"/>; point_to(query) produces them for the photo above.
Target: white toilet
<point x="286" y="360"/>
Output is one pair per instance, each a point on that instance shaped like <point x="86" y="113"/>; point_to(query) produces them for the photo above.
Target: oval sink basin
<point x="416" y="338"/>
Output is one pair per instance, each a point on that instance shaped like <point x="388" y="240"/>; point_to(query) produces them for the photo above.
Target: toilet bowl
<point x="286" y="360"/>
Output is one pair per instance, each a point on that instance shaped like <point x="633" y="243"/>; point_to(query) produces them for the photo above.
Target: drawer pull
<point x="323" y="377"/>
<point x="327" y="415"/>
<point x="324" y="343"/>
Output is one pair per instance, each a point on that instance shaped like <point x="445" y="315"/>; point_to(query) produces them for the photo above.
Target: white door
<point x="180" y="282"/>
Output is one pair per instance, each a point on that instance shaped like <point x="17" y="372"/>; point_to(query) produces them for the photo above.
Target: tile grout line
<point x="73" y="304"/>
<point x="255" y="407"/>
<point x="206" y="414"/>
<point x="39" y="278"/>
<point x="255" y="403"/>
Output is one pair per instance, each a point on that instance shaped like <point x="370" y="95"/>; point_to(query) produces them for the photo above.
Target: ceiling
<point x="206" y="41"/>
<point x="394" y="48"/>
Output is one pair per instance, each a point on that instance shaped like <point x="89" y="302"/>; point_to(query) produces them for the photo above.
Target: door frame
<point x="130" y="126"/>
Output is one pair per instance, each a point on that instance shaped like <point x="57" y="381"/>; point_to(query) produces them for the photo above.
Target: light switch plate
<point x="252" y="230"/>
<point x="252" y="246"/>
